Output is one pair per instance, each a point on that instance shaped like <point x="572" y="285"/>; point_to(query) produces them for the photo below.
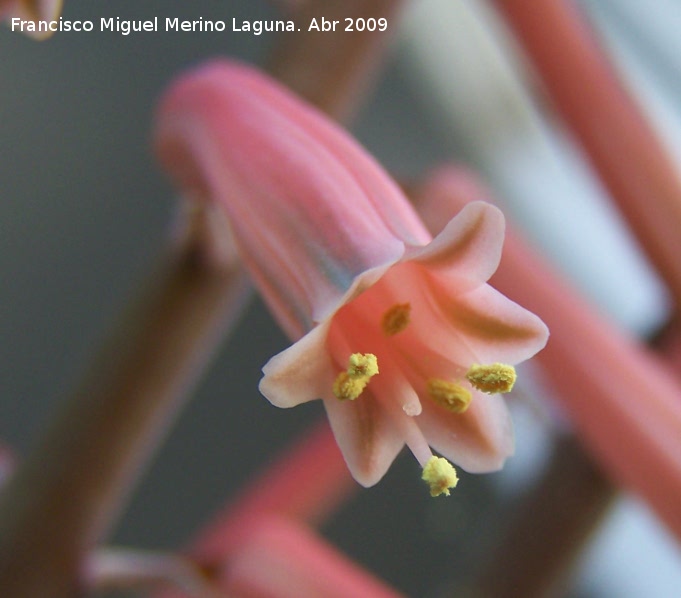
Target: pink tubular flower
<point x="389" y="324"/>
<point x="283" y="559"/>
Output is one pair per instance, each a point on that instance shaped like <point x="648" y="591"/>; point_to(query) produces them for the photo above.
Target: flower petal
<point x="469" y="247"/>
<point x="478" y="440"/>
<point x="494" y="328"/>
<point x="366" y="435"/>
<point x="301" y="373"/>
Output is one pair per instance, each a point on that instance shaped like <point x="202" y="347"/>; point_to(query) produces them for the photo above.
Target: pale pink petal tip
<point x="366" y="435"/>
<point x="299" y="374"/>
<point x="470" y="244"/>
<point x="484" y="434"/>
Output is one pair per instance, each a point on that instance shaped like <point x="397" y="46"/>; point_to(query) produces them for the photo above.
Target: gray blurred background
<point x="84" y="211"/>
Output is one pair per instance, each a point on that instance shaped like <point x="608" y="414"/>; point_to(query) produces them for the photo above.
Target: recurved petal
<point x="366" y="435"/>
<point x="301" y="373"/>
<point x="479" y="440"/>
<point x="494" y="328"/>
<point x="469" y="247"/>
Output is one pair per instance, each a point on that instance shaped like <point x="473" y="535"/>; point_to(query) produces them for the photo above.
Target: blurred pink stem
<point x="64" y="497"/>
<point x="283" y="559"/>
<point x="307" y="482"/>
<point x="623" y="402"/>
<point x="630" y="159"/>
<point x="258" y="546"/>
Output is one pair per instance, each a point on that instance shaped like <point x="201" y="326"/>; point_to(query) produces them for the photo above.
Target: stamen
<point x="451" y="396"/>
<point x="440" y="475"/>
<point x="396" y="319"/>
<point x="350" y="384"/>
<point x="493" y="378"/>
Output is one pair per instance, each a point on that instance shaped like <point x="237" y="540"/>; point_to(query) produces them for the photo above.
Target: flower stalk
<point x="265" y="529"/>
<point x="632" y="162"/>
<point x="63" y="498"/>
<point x="283" y="559"/>
<point x="306" y="483"/>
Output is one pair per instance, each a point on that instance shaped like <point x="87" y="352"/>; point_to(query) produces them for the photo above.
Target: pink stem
<point x="66" y="494"/>
<point x="630" y="159"/>
<point x="307" y="482"/>
<point x="282" y="559"/>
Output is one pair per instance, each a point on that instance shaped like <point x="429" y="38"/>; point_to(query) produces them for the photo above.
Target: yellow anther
<point x="440" y="475"/>
<point x="451" y="396"/>
<point x="493" y="378"/>
<point x="396" y="319"/>
<point x="348" y="388"/>
<point x="361" y="365"/>
<point x="350" y="384"/>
